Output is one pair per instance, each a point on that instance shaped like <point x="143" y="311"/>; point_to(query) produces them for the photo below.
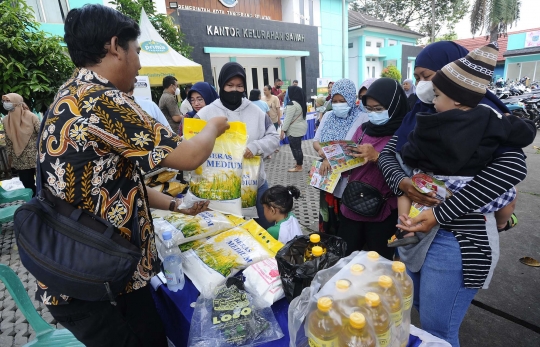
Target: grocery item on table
<point x="380" y="317"/>
<point x="211" y="262"/>
<point x="250" y="186"/>
<point x="170" y="188"/>
<point x="389" y="292"/>
<point x="263" y="279"/>
<point x="219" y="178"/>
<point x="161" y="175"/>
<point x="322" y="326"/>
<point x="405" y="285"/>
<point x="172" y="264"/>
<point x="314" y="241"/>
<point x="357" y="332"/>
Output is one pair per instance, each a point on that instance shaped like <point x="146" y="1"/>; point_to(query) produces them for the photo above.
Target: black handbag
<point x="363" y="199"/>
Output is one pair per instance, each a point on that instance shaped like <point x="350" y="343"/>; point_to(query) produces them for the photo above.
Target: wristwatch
<point x="173" y="204"/>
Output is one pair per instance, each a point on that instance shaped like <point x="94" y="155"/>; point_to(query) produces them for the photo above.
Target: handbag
<point x="363" y="199"/>
<point x="72" y="250"/>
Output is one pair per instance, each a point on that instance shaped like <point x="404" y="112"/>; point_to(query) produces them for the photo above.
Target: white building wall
<point x="373" y="49"/>
<point x="288" y="10"/>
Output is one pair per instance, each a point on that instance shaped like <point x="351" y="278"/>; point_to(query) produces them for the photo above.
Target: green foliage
<point x="494" y="17"/>
<point x="391" y="72"/>
<point x="164" y="24"/>
<point x="33" y="63"/>
<point x="451" y="36"/>
<point x="415" y="14"/>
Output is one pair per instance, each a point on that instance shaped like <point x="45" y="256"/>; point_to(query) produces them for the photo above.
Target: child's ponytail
<point x="281" y="197"/>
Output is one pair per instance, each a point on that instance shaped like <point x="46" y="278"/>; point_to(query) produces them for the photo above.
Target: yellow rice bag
<point x="250" y="184"/>
<point x="219" y="178"/>
<point x="170" y="188"/>
<point x="162" y="177"/>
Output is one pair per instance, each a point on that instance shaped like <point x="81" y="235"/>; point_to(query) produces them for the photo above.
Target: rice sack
<point x="250" y="185"/>
<point x="219" y="178"/>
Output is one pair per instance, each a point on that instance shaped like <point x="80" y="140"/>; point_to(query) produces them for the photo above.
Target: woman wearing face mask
<point x="21" y="127"/>
<point x="410" y="91"/>
<point x="361" y="92"/>
<point x="262" y="136"/>
<point x="442" y="308"/>
<point x="386" y="104"/>
<point x="295" y="124"/>
<point x="200" y="95"/>
<point x="338" y="124"/>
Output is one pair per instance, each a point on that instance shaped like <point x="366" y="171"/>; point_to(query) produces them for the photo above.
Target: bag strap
<point x="38" y="144"/>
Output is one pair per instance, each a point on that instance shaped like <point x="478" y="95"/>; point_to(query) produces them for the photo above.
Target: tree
<point x="494" y="16"/>
<point x="415" y="13"/>
<point x="391" y="72"/>
<point x="33" y="63"/>
<point x="164" y="24"/>
<point x="451" y="36"/>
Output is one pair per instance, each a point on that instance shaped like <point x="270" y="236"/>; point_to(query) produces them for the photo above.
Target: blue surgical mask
<point x="379" y="118"/>
<point x="341" y="110"/>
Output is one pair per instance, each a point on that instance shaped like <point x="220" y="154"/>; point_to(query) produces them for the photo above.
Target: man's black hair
<point x="89" y="28"/>
<point x="295" y="81"/>
<point x="254" y="95"/>
<point x="168" y="81"/>
<point x="277" y="80"/>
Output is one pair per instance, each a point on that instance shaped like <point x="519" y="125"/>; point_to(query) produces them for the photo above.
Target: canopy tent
<point x="158" y="59"/>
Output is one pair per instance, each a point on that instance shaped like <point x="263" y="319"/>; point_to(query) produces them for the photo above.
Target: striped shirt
<point x="457" y="215"/>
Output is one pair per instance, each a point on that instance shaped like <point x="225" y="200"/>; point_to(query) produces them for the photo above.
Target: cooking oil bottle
<point x="373" y="261"/>
<point x="406" y="286"/>
<point x="323" y="328"/>
<point x="314" y="241"/>
<point x="392" y="296"/>
<point x="356" y="333"/>
<point x="357" y="269"/>
<point x="380" y="318"/>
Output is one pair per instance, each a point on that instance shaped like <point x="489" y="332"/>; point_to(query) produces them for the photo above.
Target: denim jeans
<point x="439" y="294"/>
<point x="296" y="149"/>
<point x="260" y="211"/>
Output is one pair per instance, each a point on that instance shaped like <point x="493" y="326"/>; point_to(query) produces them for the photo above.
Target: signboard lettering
<point x="215" y="30"/>
<point x="230" y="13"/>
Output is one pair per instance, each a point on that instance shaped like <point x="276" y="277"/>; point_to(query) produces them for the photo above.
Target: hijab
<point x="366" y="84"/>
<point x="231" y="100"/>
<point x="19" y="123"/>
<point x="207" y="92"/>
<point x="411" y="90"/>
<point x="390" y="94"/>
<point x="336" y="128"/>
<point x="297" y="94"/>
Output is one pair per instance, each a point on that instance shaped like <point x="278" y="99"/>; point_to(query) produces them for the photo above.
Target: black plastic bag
<point x="297" y="275"/>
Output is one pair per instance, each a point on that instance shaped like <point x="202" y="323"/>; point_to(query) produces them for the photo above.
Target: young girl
<point x="277" y="203"/>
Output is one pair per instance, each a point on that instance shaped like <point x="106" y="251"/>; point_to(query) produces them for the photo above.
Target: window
<point x="255" y="78"/>
<point x="368" y="71"/>
<point x="368" y="43"/>
<point x="276" y="73"/>
<point x="265" y="76"/>
<point x="379" y="44"/>
<point x="392" y="43"/>
<point x="51" y="12"/>
<point x="350" y="45"/>
<point x="373" y="72"/>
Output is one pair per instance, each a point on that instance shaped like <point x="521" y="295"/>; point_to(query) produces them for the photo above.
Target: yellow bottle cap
<point x="324" y="304"/>
<point x="373" y="255"/>
<point x="356" y="269"/>
<point x="398" y="266"/>
<point x="358" y="321"/>
<point x="315" y="238"/>
<point x="385" y="281"/>
<point x="343" y="285"/>
<point x="317" y="251"/>
<point x="372" y="299"/>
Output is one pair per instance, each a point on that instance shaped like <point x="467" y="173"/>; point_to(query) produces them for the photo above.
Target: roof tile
<point x="360" y="19"/>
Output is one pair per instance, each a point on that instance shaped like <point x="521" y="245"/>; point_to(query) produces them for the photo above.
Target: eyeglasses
<point x="377" y="109"/>
<point x="194" y="100"/>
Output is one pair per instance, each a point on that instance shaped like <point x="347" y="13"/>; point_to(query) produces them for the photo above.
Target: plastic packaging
<point x="250" y="186"/>
<point x="357" y="332"/>
<point x="172" y="264"/>
<point x="314" y="240"/>
<point x="219" y="178"/>
<point x="263" y="279"/>
<point x="406" y="287"/>
<point x="322" y="326"/>
<point x="229" y="315"/>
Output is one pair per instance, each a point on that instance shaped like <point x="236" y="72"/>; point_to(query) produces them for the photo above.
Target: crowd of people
<point x="428" y="126"/>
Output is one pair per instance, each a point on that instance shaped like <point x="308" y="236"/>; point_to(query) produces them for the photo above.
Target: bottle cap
<point x="358" y="321"/>
<point x="372" y="299"/>
<point x="398" y="266"/>
<point x="315" y="238"/>
<point x="317" y="251"/>
<point x="357" y="269"/>
<point x="324" y="304"/>
<point x="167" y="235"/>
<point x="385" y="281"/>
<point x="343" y="285"/>
<point x="372" y="255"/>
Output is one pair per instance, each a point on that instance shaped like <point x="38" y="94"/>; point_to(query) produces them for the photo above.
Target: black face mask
<point x="231" y="100"/>
<point x="278" y="87"/>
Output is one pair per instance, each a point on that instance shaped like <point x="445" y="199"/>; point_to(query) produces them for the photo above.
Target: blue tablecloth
<point x="310" y="133"/>
<point x="175" y="310"/>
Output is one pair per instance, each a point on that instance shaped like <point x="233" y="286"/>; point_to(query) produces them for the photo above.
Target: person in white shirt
<point x="185" y="107"/>
<point x="151" y="108"/>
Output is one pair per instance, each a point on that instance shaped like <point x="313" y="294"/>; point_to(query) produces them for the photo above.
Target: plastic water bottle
<point x="172" y="263"/>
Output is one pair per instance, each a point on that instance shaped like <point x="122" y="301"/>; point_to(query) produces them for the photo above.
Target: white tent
<point x="158" y="59"/>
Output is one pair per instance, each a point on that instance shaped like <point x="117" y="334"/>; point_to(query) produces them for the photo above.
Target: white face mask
<point x="424" y="91"/>
<point x="177" y="91"/>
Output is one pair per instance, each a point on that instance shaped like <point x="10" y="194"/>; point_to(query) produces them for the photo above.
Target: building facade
<point x="523" y="56"/>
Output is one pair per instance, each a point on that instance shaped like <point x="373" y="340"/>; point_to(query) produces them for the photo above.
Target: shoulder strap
<point x="38" y="166"/>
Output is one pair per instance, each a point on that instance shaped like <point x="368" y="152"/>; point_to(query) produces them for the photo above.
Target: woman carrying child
<point x="277" y="203"/>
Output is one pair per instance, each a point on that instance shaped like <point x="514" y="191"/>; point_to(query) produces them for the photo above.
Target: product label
<point x="316" y="342"/>
<point x="384" y="338"/>
<point x="407" y="302"/>
<point x="171" y="277"/>
<point x="397" y="317"/>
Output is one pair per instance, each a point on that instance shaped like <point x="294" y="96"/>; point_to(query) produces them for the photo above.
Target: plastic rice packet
<point x="231" y="316"/>
<point x="250" y="186"/>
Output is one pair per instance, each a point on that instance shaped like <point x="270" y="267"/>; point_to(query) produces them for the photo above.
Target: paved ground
<point x="515" y="289"/>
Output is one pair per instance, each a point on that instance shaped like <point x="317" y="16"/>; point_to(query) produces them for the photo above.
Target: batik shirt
<point x="93" y="147"/>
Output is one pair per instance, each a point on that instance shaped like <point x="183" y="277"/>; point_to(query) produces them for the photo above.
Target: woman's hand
<point x="423" y="223"/>
<point x="325" y="167"/>
<point x="321" y="154"/>
<point x="365" y="151"/>
<point x="282" y="136"/>
<point x="197" y="208"/>
<point x="412" y="193"/>
<point x="248" y="154"/>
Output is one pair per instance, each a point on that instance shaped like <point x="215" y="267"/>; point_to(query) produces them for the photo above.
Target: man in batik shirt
<point x="95" y="143"/>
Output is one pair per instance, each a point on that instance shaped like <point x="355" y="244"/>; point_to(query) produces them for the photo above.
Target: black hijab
<point x="297" y="94"/>
<point x="231" y="100"/>
<point x="391" y="95"/>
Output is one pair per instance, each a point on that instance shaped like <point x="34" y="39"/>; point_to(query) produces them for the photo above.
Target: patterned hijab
<point x="336" y="128"/>
<point x="19" y="123"/>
